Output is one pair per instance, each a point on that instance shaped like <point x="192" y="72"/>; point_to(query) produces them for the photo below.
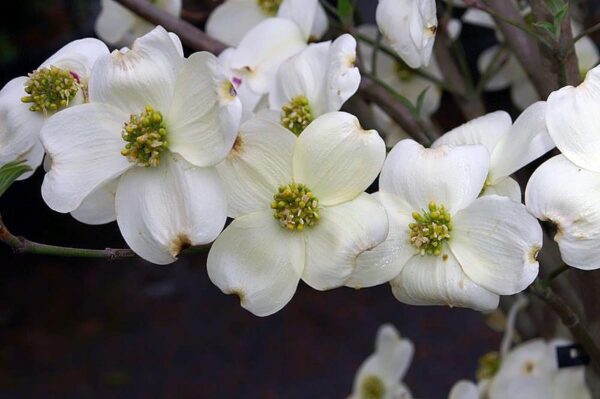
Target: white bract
<point x="380" y="376"/>
<point x="263" y="49"/>
<point x="566" y="189"/>
<point x="410" y="27"/>
<point x="315" y="81"/>
<point x="512" y="146"/>
<point x="143" y="150"/>
<point x="529" y="371"/>
<point x="300" y="209"/>
<point x="233" y="19"/>
<point x="26" y="102"/>
<point x="405" y="80"/>
<point x="446" y="245"/>
<point x="119" y="26"/>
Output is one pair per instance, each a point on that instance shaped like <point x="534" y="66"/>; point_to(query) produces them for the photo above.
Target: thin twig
<point x="496" y="63"/>
<point x="570" y="319"/>
<point x="586" y="32"/>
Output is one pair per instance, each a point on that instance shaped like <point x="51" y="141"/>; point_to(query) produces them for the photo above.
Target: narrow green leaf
<point x="11" y="172"/>
<point x="548" y="26"/>
<point x="555" y="6"/>
<point x="346" y="11"/>
<point x="420" y="100"/>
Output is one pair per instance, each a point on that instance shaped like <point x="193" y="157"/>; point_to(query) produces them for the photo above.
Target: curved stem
<point x="570" y="319"/>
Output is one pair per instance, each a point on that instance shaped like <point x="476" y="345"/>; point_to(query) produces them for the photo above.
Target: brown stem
<point x="561" y="55"/>
<point x="525" y="48"/>
<point x="469" y="101"/>
<point x="190" y="35"/>
<point x="571" y="320"/>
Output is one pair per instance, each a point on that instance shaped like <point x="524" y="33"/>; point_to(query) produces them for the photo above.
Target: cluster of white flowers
<point x="170" y="146"/>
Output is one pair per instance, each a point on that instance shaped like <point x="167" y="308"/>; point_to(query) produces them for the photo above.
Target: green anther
<point x="372" y="387"/>
<point x="50" y="89"/>
<point x="146" y="137"/>
<point x="269" y="7"/>
<point x="489" y="364"/>
<point x="296" y="115"/>
<point x="486" y="184"/>
<point x="295" y="206"/>
<point x="431" y="229"/>
<point x="404" y="72"/>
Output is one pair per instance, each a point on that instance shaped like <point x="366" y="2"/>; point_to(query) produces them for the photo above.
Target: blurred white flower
<point x="528" y="371"/>
<point x="263" y="49"/>
<point x="233" y="19"/>
<point x="446" y="245"/>
<point x="380" y="376"/>
<point x="566" y="189"/>
<point x="405" y="80"/>
<point x="300" y="209"/>
<point x="118" y="26"/>
<point x="509" y="73"/>
<point x="512" y="146"/>
<point x="315" y="81"/>
<point x="143" y="150"/>
<point x="410" y="27"/>
<point x="26" y="102"/>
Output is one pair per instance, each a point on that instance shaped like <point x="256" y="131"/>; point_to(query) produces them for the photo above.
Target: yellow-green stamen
<point x="404" y="72"/>
<point x="146" y="137"/>
<point x="431" y="229"/>
<point x="489" y="364"/>
<point x="372" y="387"/>
<point x="295" y="206"/>
<point x="296" y="115"/>
<point x="50" y="89"/>
<point x="269" y="7"/>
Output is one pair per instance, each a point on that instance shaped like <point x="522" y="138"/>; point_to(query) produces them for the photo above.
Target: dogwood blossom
<point x="143" y="150"/>
<point x="410" y="27"/>
<point x="299" y="207"/>
<point x="27" y="101"/>
<point x="233" y="19"/>
<point x="263" y="49"/>
<point x="119" y="26"/>
<point x="380" y="375"/>
<point x="446" y="245"/>
<point x="405" y="80"/>
<point x="564" y="190"/>
<point x="315" y="81"/>
<point x="511" y="146"/>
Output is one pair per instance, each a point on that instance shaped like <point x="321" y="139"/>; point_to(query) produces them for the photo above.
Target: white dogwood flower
<point x="233" y="19"/>
<point x="528" y="371"/>
<point x="380" y="376"/>
<point x="300" y="209"/>
<point x="119" y="26"/>
<point x="446" y="245"/>
<point x="402" y="78"/>
<point x="27" y="101"/>
<point x="263" y="49"/>
<point x="315" y="81"/>
<point x="511" y="146"/>
<point x="143" y="150"/>
<point x="565" y="189"/>
<point x="410" y="27"/>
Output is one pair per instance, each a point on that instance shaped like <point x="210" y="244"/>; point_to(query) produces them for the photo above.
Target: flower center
<point x="295" y="206"/>
<point x="431" y="229"/>
<point x="489" y="364"/>
<point x="50" y="89"/>
<point x="404" y="72"/>
<point x="372" y="387"/>
<point x="146" y="138"/>
<point x="269" y="7"/>
<point x="296" y="115"/>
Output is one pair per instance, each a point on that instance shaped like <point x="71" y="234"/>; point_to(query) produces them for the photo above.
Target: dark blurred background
<point x="75" y="328"/>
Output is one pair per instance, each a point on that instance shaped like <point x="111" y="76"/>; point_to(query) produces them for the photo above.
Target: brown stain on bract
<point x="179" y="244"/>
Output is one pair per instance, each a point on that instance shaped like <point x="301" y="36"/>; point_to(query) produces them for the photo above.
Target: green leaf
<point x="11" y="172"/>
<point x="346" y="11"/>
<point x="555" y="6"/>
<point x="420" y="100"/>
<point x="548" y="26"/>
